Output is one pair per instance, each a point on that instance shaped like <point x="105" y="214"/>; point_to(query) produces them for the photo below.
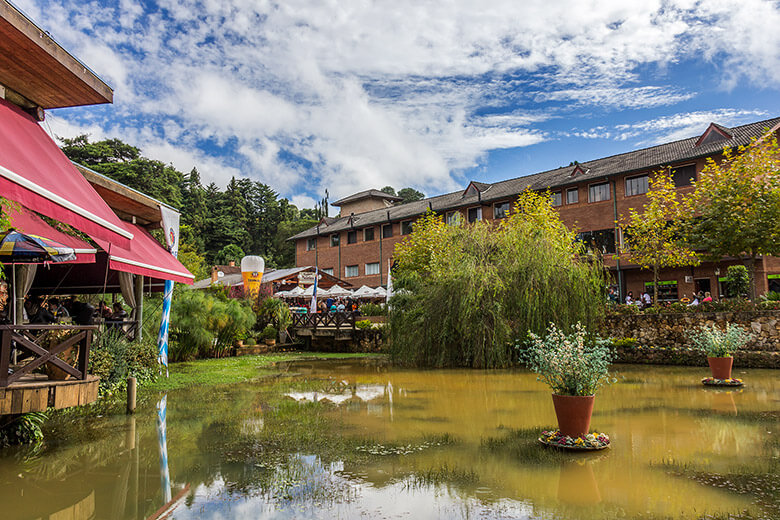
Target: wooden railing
<point x="324" y="320"/>
<point x="26" y="339"/>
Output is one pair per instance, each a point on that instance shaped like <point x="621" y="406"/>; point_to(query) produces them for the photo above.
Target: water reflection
<point x="401" y="443"/>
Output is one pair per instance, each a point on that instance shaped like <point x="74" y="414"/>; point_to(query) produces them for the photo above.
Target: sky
<point x="347" y="95"/>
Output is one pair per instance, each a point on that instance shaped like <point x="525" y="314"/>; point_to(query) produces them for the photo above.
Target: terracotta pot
<point x="573" y="412"/>
<point x="270" y="342"/>
<point x="720" y="367"/>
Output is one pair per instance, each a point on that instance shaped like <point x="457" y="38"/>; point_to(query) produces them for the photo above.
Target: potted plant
<point x="269" y="335"/>
<point x="719" y="346"/>
<point x="574" y="366"/>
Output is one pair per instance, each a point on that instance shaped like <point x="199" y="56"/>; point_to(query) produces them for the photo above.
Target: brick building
<point x="358" y="244"/>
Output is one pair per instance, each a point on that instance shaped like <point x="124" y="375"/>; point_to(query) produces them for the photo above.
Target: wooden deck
<point x="36" y="393"/>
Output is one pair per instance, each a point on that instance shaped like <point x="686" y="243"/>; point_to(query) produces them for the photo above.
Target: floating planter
<point x="711" y="381"/>
<point x="589" y="442"/>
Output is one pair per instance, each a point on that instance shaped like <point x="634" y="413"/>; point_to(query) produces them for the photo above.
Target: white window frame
<point x="609" y="191"/>
<point x="506" y="213"/>
<point x="338" y="240"/>
<point x="328" y="270"/>
<point x="373" y="229"/>
<point x="559" y="193"/>
<point x="637" y="177"/>
<point x="479" y="214"/>
<point x="309" y="242"/>
<point x="573" y="190"/>
<point x="401" y="227"/>
<point x="346" y="271"/>
<point x="371" y="267"/>
<point x="454" y="218"/>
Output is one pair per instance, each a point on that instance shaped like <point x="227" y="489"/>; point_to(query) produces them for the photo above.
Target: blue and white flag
<point x="313" y="307"/>
<point x="389" y="281"/>
<point x="162" y="447"/>
<point x="170" y="224"/>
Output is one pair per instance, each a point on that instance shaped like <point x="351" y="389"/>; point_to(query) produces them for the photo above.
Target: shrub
<point x="771" y="296"/>
<point x="269" y="332"/>
<point x="718" y="343"/>
<point x="364" y="325"/>
<point x="373" y="309"/>
<point x="273" y="311"/>
<point x="570" y="364"/>
<point x="113" y="358"/>
<point x="22" y="429"/>
<point x="205" y="325"/>
<point x="625" y="342"/>
<point x="737" y="280"/>
<point x="251" y="342"/>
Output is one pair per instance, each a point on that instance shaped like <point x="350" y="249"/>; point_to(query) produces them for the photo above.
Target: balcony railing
<point x="317" y="320"/>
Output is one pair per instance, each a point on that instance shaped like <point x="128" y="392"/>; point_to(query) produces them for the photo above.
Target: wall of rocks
<point x="664" y="338"/>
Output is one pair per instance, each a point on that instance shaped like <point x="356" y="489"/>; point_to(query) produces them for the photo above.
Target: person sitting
<point x="104" y="310"/>
<point x="119" y="313"/>
<point x="37" y="313"/>
<point x="695" y="301"/>
<point x="707" y="297"/>
<point x="83" y="313"/>
<point x="340" y="307"/>
<point x="58" y="309"/>
<point x="630" y="298"/>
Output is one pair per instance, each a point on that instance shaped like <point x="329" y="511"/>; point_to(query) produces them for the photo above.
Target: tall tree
<point x="736" y="207"/>
<point x="654" y="237"/>
<point x="389" y="190"/>
<point x="410" y="195"/>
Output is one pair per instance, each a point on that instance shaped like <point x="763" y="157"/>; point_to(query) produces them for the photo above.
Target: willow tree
<point x="466" y="293"/>
<point x="654" y="238"/>
<point x="737" y="204"/>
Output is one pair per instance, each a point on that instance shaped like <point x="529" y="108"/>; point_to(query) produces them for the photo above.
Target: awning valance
<point x="145" y="256"/>
<point x="35" y="173"/>
<point x="25" y="221"/>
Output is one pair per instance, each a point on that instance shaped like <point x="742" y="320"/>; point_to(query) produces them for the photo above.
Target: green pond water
<point x="360" y="439"/>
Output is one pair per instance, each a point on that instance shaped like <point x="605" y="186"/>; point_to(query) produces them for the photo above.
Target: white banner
<point x="170" y="224"/>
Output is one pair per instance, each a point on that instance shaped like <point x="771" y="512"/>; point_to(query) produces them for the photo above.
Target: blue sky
<point x="348" y="95"/>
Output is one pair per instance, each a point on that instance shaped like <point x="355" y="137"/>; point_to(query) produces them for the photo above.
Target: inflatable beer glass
<point x="252" y="273"/>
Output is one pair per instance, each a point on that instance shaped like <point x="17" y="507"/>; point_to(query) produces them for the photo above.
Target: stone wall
<point x="664" y="338"/>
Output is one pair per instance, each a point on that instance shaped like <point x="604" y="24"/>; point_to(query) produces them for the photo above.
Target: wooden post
<point x="5" y="356"/>
<point x="139" y="307"/>
<point x="131" y="384"/>
<point x="83" y="363"/>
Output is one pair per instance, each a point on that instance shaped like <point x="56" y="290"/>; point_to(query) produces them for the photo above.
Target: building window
<point x="555" y="198"/>
<point x="598" y="192"/>
<point x="311" y="244"/>
<point x="334" y="240"/>
<point x="387" y="231"/>
<point x="501" y="210"/>
<point x="372" y="268"/>
<point x="352" y="237"/>
<point x="368" y="234"/>
<point x="453" y="218"/>
<point x="572" y="196"/>
<point x="406" y="227"/>
<point x="351" y="271"/>
<point x="684" y="175"/>
<point x="328" y="270"/>
<point x="475" y="214"/>
<point x="636" y="185"/>
<point x="602" y="240"/>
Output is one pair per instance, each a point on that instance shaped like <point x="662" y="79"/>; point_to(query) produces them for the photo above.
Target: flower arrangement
<point x="591" y="441"/>
<point x="722" y="382"/>
<point x="719" y="343"/>
<point x="574" y="364"/>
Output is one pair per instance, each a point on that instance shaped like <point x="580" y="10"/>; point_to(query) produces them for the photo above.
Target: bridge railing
<point x="317" y="320"/>
<point x="35" y="348"/>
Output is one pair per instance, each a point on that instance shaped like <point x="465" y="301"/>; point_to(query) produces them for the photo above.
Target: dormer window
<point x="713" y="134"/>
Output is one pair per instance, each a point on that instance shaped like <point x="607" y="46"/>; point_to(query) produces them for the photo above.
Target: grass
<point x="210" y="372"/>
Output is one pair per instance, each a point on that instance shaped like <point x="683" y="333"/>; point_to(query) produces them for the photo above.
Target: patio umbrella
<point x="338" y="291"/>
<point x="21" y="248"/>
<point x="380" y="292"/>
<point x="364" y="292"/>
<point x="296" y="292"/>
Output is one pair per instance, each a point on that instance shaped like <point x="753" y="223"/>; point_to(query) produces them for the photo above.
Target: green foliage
<point x="465" y="293"/>
<point x="23" y="429"/>
<point x="229" y="253"/>
<point x="738" y="280"/>
<point x="719" y="343"/>
<point x="364" y="325"/>
<point x="771" y="296"/>
<point x="250" y="342"/>
<point x="410" y="195"/>
<point x="389" y="190"/>
<point x="373" y="309"/>
<point x="113" y="358"/>
<point x="269" y="332"/>
<point x="625" y="342"/>
<point x="273" y="311"/>
<point x="570" y="364"/>
<point x="735" y="210"/>
<point x="203" y="324"/>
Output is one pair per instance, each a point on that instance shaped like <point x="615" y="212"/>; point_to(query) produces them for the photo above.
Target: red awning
<point x="145" y="256"/>
<point x="28" y="222"/>
<point x="35" y="173"/>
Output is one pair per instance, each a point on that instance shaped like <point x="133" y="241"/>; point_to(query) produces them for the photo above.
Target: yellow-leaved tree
<point x="654" y="237"/>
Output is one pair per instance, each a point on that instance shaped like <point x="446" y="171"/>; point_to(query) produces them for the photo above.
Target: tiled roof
<point x="638" y="160"/>
<point x="365" y="195"/>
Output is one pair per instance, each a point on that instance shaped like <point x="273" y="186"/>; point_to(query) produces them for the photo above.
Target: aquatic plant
<point x="720" y="343"/>
<point x="22" y="429"/>
<point x="465" y="293"/>
<point x="570" y="364"/>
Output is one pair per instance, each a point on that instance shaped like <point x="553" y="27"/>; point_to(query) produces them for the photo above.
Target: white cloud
<point x="350" y="95"/>
<point x="684" y="125"/>
<point x="303" y="201"/>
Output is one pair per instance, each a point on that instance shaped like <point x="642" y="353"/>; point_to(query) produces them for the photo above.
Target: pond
<point x="360" y="439"/>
